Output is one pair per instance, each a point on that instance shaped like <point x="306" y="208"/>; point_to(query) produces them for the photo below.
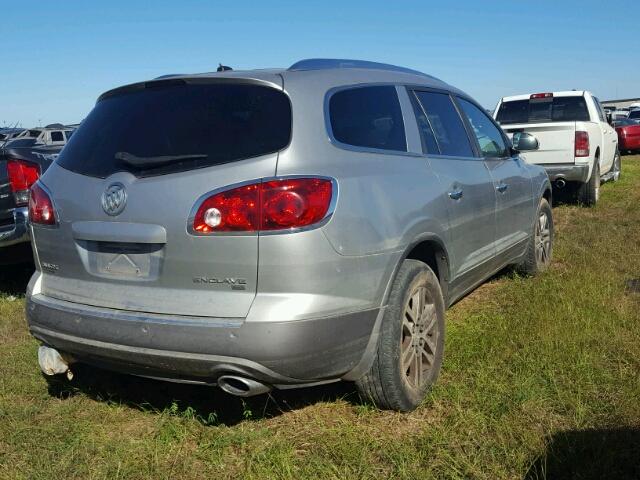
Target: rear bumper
<point x="202" y="349"/>
<point x="568" y="172"/>
<point x="18" y="232"/>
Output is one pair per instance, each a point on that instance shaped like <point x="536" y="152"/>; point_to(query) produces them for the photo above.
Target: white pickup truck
<point x="568" y="134"/>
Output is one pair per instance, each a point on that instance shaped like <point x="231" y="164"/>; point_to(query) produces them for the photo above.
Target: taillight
<point x="41" y="209"/>
<point x="21" y="176"/>
<point x="582" y="144"/>
<point x="541" y="95"/>
<point x="271" y="205"/>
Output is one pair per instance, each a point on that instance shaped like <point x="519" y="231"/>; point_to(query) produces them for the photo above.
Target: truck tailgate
<point x="556" y="141"/>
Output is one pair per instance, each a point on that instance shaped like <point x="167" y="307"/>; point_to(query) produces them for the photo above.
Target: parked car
<point x="628" y="135"/>
<point x="278" y="228"/>
<point x="634" y="114"/>
<point x="22" y="160"/>
<point x="568" y="134"/>
<point x="620" y="114"/>
<point x="8" y="134"/>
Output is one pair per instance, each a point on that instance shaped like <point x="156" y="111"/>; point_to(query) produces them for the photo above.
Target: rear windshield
<point x="634" y="114"/>
<point x="176" y="127"/>
<point x="556" y="109"/>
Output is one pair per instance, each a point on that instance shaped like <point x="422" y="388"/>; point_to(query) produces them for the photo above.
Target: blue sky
<point x="58" y="56"/>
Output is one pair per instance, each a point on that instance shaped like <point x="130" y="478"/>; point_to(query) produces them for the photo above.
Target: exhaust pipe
<point x="242" y="387"/>
<point x="52" y="362"/>
<point x="560" y="183"/>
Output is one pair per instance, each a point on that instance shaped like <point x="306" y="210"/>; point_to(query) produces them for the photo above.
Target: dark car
<point x="22" y="161"/>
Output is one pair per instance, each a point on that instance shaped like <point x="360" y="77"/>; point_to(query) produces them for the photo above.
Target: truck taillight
<point x="41" y="211"/>
<point x="541" y="95"/>
<point x="21" y="176"/>
<point x="283" y="204"/>
<point x="582" y="144"/>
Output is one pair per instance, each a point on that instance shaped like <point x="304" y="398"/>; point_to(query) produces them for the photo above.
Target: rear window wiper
<point x="136" y="161"/>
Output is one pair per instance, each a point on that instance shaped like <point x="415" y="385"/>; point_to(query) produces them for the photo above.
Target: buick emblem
<point x="114" y="199"/>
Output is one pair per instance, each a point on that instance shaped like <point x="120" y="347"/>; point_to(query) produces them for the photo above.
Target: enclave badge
<point x="114" y="199"/>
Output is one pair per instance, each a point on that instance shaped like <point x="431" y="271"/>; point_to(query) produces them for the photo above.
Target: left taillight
<point x="281" y="204"/>
<point x="41" y="211"/>
<point x="21" y="176"/>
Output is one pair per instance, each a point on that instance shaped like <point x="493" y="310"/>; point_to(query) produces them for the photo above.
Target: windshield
<point x="176" y="127"/>
<point x="542" y="110"/>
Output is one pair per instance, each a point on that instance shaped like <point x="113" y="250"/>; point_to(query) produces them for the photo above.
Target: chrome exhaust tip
<point x="242" y="387"/>
<point x="560" y="183"/>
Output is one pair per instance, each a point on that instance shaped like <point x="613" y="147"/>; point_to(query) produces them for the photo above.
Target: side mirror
<point x="610" y="119"/>
<point x="525" y="141"/>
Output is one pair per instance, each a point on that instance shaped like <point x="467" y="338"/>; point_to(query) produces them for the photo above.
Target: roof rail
<point x="168" y="75"/>
<point x="329" y="63"/>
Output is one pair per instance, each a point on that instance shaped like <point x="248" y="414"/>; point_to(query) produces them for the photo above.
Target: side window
<point x="490" y="138"/>
<point x="601" y="114"/>
<point x="368" y="117"/>
<point x="446" y="124"/>
<point x="57" y="137"/>
<point x="427" y="137"/>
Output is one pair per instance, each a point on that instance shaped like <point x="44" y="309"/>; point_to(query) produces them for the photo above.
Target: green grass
<point x="541" y="379"/>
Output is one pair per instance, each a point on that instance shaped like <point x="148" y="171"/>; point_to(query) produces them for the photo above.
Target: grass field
<point x="541" y="379"/>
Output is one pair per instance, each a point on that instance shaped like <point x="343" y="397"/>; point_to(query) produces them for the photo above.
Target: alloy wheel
<point x="419" y="340"/>
<point x="543" y="239"/>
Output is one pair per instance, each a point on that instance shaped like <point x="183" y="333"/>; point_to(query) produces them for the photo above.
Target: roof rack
<point x="329" y="63"/>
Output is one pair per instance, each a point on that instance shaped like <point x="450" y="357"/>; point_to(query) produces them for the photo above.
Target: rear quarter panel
<point x="385" y="200"/>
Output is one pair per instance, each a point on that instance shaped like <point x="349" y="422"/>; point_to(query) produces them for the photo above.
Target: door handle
<point x="456" y="194"/>
<point x="502" y="187"/>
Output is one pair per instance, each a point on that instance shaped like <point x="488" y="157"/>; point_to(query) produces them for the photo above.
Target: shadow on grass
<point x="208" y="405"/>
<point x="14" y="278"/>
<point x="564" y="196"/>
<point x="590" y="454"/>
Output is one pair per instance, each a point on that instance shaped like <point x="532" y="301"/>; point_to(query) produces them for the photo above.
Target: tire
<point x="412" y="330"/>
<point x="589" y="192"/>
<point x="540" y="247"/>
<point x="616" y="167"/>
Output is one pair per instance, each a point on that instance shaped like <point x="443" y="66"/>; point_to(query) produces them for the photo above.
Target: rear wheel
<point x="616" y="168"/>
<point x="540" y="247"/>
<point x="411" y="343"/>
<point x="589" y="193"/>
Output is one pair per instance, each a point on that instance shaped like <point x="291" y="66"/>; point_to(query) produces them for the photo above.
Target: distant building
<point x="624" y="102"/>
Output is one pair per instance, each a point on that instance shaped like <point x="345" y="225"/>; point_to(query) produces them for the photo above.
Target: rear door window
<point x="368" y="117"/>
<point x="543" y="110"/>
<point x="446" y="124"/>
<point x="177" y="126"/>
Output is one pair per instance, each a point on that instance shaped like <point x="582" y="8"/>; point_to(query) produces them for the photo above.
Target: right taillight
<point x="21" y="176"/>
<point x="41" y="211"/>
<point x="281" y="204"/>
<point x="582" y="144"/>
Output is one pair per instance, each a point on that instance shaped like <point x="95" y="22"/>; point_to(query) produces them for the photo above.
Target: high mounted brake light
<point x="541" y="95"/>
<point x="283" y="204"/>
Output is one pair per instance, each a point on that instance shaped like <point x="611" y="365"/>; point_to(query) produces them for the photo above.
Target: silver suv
<point x="278" y="228"/>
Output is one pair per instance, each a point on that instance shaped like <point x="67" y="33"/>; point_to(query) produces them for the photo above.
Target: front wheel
<point x="411" y="343"/>
<point x="540" y="248"/>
